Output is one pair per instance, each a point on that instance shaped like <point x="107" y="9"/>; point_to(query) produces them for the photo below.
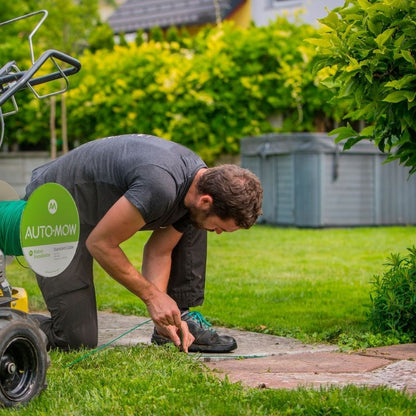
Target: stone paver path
<point x="279" y="362"/>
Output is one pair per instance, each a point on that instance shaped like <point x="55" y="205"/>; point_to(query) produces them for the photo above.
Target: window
<point x="278" y="4"/>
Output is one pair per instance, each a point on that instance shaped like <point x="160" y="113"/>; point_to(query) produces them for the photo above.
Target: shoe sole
<point x="161" y="340"/>
<point x="211" y="348"/>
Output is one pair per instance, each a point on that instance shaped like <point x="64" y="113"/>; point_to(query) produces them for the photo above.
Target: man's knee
<point x="70" y="337"/>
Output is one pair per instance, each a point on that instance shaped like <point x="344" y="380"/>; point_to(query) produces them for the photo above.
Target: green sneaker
<point x="206" y="338"/>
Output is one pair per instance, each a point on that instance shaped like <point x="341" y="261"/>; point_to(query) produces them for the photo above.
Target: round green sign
<point x="49" y="230"/>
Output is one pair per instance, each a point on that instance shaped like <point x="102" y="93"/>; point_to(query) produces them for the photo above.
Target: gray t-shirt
<point x="152" y="173"/>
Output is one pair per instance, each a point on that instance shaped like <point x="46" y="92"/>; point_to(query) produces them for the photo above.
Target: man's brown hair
<point x="236" y="192"/>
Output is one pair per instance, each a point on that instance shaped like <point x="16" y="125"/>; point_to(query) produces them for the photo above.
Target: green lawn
<point x="313" y="284"/>
<point x="307" y="283"/>
<point x="160" y="381"/>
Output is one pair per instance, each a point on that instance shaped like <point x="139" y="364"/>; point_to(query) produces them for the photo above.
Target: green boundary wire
<point x="145" y="322"/>
<point x="107" y="344"/>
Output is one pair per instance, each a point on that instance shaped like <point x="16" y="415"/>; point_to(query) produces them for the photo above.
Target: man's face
<point x="201" y="219"/>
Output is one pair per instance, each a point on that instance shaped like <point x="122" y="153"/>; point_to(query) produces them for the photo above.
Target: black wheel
<point x="23" y="358"/>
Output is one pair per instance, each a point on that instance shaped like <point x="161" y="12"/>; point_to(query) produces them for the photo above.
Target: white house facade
<point x="262" y="11"/>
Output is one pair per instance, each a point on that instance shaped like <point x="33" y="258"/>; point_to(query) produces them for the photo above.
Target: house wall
<point x="263" y="11"/>
<point x="242" y="16"/>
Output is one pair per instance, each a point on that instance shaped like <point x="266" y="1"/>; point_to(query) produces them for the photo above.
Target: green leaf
<point x="322" y="42"/>
<point x="408" y="56"/>
<point x="367" y="131"/>
<point x="332" y="20"/>
<point x="374" y="27"/>
<point x="354" y="65"/>
<point x="382" y="38"/>
<point x="351" y="142"/>
<point x="343" y="133"/>
<point x="398" y="96"/>
<point x="398" y="42"/>
<point x="364" y="4"/>
<point x="400" y="83"/>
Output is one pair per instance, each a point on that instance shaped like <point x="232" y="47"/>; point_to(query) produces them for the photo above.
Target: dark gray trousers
<point x="70" y="296"/>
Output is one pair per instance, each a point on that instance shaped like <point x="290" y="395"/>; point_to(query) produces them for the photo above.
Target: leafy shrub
<point x="366" y="55"/>
<point x="204" y="92"/>
<point x="393" y="298"/>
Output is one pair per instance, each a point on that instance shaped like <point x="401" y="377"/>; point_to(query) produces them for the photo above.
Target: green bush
<point x="366" y="56"/>
<point x="393" y="298"/>
<point x="204" y="92"/>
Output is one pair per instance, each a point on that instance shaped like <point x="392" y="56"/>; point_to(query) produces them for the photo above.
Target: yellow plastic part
<point x="20" y="301"/>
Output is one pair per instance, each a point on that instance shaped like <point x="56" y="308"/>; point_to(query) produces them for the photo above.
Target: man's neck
<point x="192" y="193"/>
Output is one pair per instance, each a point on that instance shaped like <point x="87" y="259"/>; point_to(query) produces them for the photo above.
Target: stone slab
<point x="279" y="362"/>
<point x="309" y="362"/>
<point x="392" y="352"/>
<point x="113" y="325"/>
<point x="315" y="370"/>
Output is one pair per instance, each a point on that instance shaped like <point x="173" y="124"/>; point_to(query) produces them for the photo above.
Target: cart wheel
<point x="23" y="358"/>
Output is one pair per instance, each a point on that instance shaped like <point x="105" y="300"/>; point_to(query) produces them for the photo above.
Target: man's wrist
<point x="148" y="292"/>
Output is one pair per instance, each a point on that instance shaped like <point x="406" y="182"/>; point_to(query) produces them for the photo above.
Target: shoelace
<point x="198" y="317"/>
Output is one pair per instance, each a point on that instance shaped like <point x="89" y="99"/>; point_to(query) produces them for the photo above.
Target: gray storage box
<point x="309" y="181"/>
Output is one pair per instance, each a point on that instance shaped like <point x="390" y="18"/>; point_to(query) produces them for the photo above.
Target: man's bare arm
<point x="157" y="256"/>
<point x="119" y="224"/>
<point x="157" y="260"/>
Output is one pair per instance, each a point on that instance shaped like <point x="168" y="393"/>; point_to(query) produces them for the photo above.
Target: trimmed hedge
<point x="204" y="92"/>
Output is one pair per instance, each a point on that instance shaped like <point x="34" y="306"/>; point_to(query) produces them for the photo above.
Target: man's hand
<point x="182" y="338"/>
<point x="167" y="318"/>
<point x="163" y="309"/>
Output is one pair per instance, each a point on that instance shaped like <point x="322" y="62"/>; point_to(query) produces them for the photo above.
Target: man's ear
<point x="205" y="202"/>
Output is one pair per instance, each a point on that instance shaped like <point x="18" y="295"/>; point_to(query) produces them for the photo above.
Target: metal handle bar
<point x="32" y="33"/>
<point x="24" y="79"/>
